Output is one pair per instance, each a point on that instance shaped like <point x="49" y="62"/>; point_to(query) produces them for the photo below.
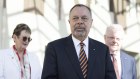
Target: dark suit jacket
<point x="61" y="61"/>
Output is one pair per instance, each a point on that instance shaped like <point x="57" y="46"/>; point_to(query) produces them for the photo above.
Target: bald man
<point x="126" y="66"/>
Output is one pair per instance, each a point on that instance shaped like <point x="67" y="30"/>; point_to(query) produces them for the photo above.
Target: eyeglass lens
<point x="25" y="39"/>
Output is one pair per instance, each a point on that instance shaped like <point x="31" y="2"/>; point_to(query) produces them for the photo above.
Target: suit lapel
<point x="92" y="58"/>
<point x="123" y="64"/>
<point x="13" y="58"/>
<point x="71" y="52"/>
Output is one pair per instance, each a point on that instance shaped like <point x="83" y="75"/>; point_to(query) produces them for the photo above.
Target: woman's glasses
<point x="26" y="38"/>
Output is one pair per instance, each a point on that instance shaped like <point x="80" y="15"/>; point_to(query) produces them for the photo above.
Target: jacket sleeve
<point x="110" y="72"/>
<point x="35" y="66"/>
<point x="134" y="72"/>
<point x="50" y="65"/>
<point x="39" y="69"/>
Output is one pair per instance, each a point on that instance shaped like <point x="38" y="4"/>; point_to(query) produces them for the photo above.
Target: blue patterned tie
<point x="83" y="60"/>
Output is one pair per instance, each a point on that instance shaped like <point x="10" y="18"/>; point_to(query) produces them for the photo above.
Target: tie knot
<point x="81" y="44"/>
<point x="113" y="55"/>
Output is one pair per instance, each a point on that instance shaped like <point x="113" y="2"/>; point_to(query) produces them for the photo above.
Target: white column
<point x="4" y="40"/>
<point x="1" y="6"/>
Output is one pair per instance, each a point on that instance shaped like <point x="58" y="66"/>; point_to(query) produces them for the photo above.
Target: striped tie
<point x="114" y="60"/>
<point x="83" y="60"/>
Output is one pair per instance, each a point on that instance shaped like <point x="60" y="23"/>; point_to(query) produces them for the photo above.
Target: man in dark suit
<point x="63" y="58"/>
<point x="125" y="67"/>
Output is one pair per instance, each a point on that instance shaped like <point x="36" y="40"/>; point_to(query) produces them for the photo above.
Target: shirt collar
<point x="117" y="54"/>
<point x="77" y="42"/>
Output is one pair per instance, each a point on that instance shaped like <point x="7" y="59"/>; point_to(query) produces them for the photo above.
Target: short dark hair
<point x="80" y="5"/>
<point x="20" y="27"/>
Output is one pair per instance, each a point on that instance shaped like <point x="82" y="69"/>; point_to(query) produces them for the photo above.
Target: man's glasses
<point x="26" y="38"/>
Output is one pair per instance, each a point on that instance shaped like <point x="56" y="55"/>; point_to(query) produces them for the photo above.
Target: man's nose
<point x="80" y="21"/>
<point x="115" y="40"/>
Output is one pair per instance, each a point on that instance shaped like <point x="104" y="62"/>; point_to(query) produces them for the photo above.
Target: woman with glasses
<point x="16" y="62"/>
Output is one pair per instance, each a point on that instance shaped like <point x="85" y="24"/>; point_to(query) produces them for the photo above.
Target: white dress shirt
<point x="118" y="58"/>
<point x="77" y="45"/>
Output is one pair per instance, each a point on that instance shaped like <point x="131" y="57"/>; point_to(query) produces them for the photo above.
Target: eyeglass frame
<point x="25" y="38"/>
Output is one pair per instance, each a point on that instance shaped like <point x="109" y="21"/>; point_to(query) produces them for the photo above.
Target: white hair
<point x="115" y="28"/>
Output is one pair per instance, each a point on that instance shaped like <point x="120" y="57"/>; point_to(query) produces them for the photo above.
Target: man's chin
<point x="80" y="34"/>
<point x="114" y="49"/>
